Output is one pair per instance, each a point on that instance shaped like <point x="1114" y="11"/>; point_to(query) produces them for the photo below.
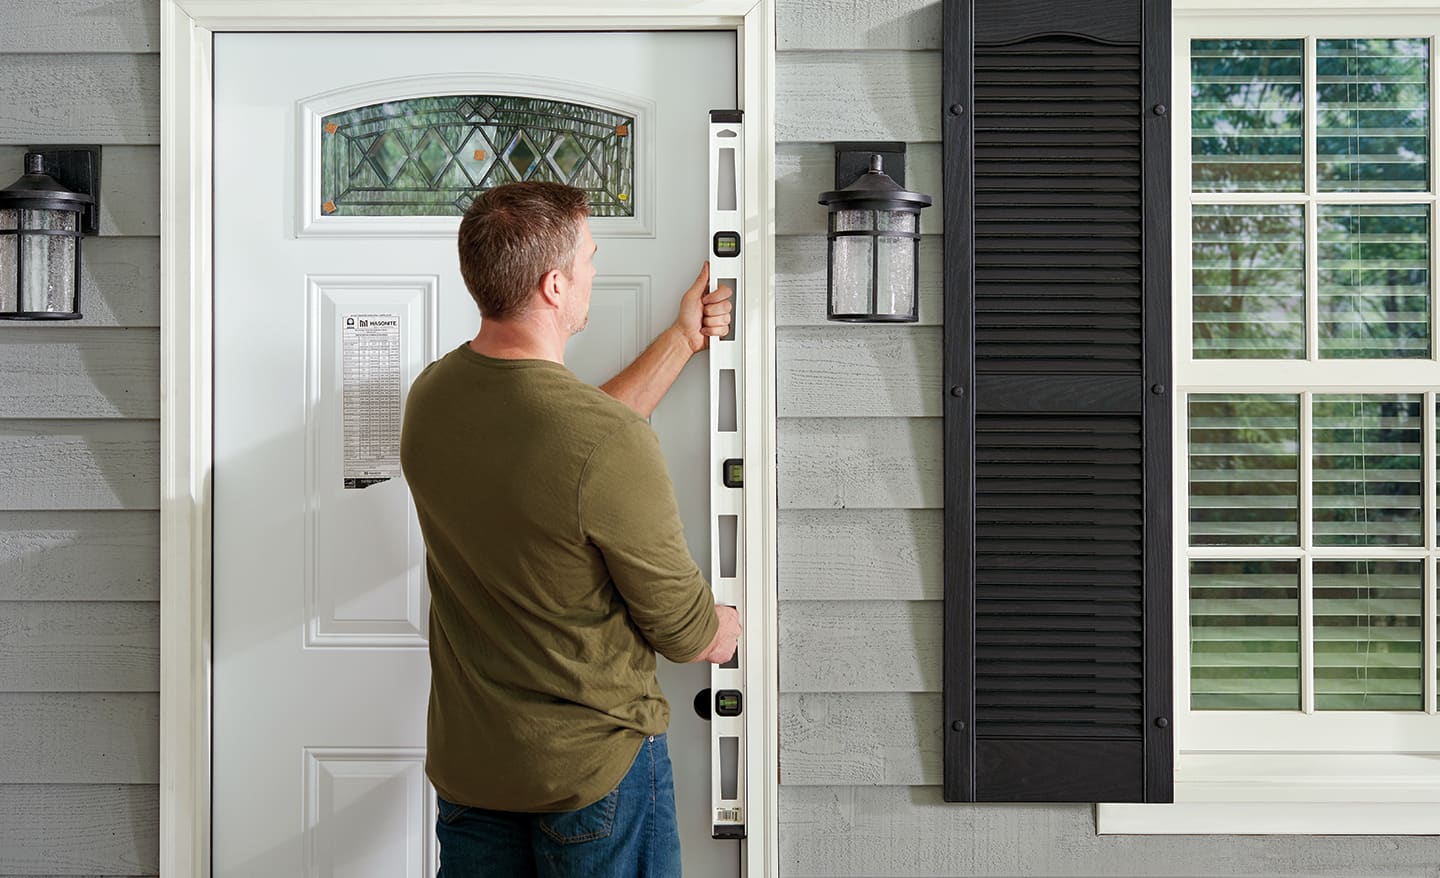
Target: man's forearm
<point x="643" y="383"/>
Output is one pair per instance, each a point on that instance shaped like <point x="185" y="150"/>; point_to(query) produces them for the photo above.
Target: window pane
<point x="1367" y="470"/>
<point x="1373" y="115"/>
<point x="1248" y="281"/>
<point x="1374" y="281"/>
<point x="1246" y="115"/>
<point x="1244" y="469"/>
<point x="1245" y="635"/>
<point x="1368" y="635"/>
<point x="9" y="291"/>
<point x="431" y="156"/>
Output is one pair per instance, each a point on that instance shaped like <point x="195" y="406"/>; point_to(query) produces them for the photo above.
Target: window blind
<point x="1372" y="115"/>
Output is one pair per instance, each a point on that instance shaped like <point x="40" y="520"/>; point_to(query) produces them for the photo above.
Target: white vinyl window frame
<point x="187" y="404"/>
<point x="1305" y="771"/>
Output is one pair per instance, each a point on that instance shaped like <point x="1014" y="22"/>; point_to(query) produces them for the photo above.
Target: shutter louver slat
<point x="1045" y="635"/>
<point x="1056" y="588"/>
<point x="1001" y="104"/>
<point x="1060" y="684"/>
<point x="1111" y="632"/>
<point x="1053" y="455"/>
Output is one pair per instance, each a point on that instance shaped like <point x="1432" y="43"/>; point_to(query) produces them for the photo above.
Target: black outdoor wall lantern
<point x="874" y="236"/>
<point x="42" y="219"/>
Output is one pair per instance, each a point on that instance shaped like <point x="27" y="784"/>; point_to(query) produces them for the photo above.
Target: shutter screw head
<point x="1159" y="109"/>
<point x="1157" y="389"/>
<point x="958" y="725"/>
<point x="957" y="391"/>
<point x="1162" y="723"/>
<point x="957" y="110"/>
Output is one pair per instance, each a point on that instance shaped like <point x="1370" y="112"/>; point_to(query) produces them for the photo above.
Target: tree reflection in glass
<point x="1247" y="115"/>
<point x="1248" y="281"/>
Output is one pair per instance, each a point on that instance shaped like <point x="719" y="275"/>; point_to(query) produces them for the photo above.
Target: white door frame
<point x="187" y="356"/>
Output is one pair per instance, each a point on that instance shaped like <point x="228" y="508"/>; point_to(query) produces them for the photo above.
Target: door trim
<point x="187" y="356"/>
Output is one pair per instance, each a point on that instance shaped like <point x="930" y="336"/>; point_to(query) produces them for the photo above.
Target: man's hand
<point x="722" y="647"/>
<point x="704" y="314"/>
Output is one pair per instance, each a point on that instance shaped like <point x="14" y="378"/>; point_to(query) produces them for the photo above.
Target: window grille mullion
<point x="1281" y="197"/>
<point x="1307" y="543"/>
<point x="1434" y="248"/>
<point x="1310" y="96"/>
<point x="1428" y="601"/>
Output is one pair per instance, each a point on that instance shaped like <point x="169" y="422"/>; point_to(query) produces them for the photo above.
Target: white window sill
<point x="1290" y="794"/>
<point x="1268" y="818"/>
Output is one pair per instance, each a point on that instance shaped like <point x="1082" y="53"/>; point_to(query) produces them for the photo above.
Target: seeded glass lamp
<point x="874" y="249"/>
<point x="40" y="230"/>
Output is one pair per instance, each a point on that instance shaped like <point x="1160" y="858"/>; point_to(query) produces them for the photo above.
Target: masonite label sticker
<point x="370" y="409"/>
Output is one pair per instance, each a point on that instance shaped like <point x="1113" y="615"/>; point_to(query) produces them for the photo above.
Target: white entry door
<point x="333" y="289"/>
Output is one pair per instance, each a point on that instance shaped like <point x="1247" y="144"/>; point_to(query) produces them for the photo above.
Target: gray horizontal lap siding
<point x="80" y="462"/>
<point x="859" y="456"/>
<point x="860" y="532"/>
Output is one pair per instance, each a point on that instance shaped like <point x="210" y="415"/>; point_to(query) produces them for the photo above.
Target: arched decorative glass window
<point x="432" y="156"/>
<point x="407" y="157"/>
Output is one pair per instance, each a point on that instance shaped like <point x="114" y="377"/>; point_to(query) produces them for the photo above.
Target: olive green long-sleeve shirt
<point x="557" y="566"/>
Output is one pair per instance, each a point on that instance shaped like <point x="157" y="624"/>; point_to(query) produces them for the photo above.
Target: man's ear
<point x="552" y="287"/>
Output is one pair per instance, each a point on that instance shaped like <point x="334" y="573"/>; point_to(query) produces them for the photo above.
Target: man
<point x="556" y="560"/>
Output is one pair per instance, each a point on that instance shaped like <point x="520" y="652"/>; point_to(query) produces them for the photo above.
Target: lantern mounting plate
<point x="77" y="168"/>
<point x="852" y="159"/>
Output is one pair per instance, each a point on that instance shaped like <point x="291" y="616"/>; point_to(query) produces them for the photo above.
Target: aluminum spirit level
<point x="727" y="447"/>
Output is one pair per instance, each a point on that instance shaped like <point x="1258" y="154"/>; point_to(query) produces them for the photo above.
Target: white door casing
<point x="187" y="109"/>
<point x="320" y="668"/>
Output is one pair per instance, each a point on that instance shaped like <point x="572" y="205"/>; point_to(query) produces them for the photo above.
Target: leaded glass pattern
<point x="1245" y="635"/>
<point x="431" y="156"/>
<point x="1373" y="115"/>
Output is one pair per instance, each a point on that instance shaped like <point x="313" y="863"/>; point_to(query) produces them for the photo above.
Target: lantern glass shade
<point x="9" y="292"/>
<point x="37" y="271"/>
<point x="872" y="276"/>
<point x="49" y="283"/>
<point x="851" y="264"/>
<point x="896" y="263"/>
<point x="40" y="247"/>
<point x="874" y="241"/>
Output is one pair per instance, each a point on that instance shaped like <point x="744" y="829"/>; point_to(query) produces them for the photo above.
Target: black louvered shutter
<point x="1057" y="417"/>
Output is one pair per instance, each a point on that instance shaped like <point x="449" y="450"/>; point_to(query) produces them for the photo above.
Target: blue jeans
<point x="630" y="833"/>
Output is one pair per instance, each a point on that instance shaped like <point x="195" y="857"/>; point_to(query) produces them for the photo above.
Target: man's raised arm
<point x="703" y="315"/>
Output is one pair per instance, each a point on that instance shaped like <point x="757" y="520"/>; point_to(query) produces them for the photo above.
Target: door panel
<point x="321" y="676"/>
